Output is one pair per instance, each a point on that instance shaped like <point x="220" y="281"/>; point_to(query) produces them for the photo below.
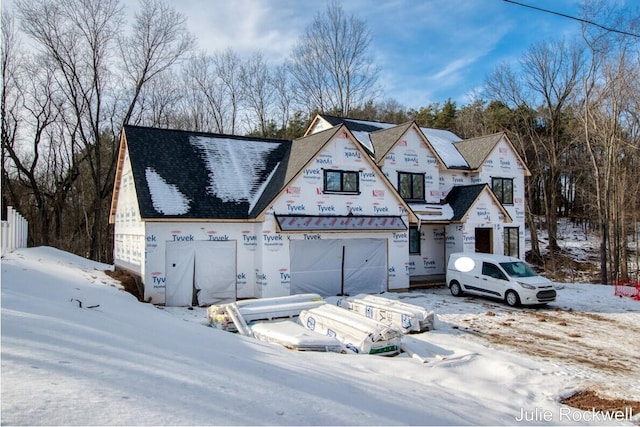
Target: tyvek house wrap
<point x="358" y="333"/>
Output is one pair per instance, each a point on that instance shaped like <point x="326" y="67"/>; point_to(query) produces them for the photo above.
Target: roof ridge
<point x="481" y="137"/>
<point x="361" y="120"/>
<point x="210" y="134"/>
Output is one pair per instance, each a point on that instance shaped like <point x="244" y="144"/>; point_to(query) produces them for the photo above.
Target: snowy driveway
<point x="588" y="331"/>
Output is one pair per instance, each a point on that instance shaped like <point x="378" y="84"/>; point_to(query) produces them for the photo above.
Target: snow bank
<point x="128" y="363"/>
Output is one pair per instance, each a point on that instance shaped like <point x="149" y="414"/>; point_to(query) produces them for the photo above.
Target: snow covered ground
<point x="580" y="259"/>
<point x="77" y="350"/>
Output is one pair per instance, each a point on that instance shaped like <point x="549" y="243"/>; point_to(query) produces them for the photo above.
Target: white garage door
<point x="205" y="268"/>
<point x="338" y="266"/>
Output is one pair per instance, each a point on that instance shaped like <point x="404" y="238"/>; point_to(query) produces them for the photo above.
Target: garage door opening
<point x="200" y="273"/>
<point x="338" y="266"/>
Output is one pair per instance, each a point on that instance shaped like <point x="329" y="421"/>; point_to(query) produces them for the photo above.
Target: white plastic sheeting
<point x="338" y="266"/>
<point x="295" y="336"/>
<point x="215" y="272"/>
<point x="400" y="315"/>
<point x="179" y="276"/>
<point x="357" y="333"/>
<point x="278" y="307"/>
<point x="221" y="316"/>
<point x="205" y="266"/>
<point x="432" y="212"/>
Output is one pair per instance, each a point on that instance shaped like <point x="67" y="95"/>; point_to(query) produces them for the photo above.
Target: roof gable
<point x="192" y="175"/>
<point x="356" y="125"/>
<point x="360" y="129"/>
<point x="461" y="198"/>
<point x="476" y="150"/>
<point x="384" y="140"/>
<point x="307" y="150"/>
<point x="440" y="141"/>
<point x="317" y="124"/>
<point x="302" y="151"/>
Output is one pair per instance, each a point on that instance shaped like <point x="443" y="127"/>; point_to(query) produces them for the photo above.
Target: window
<point x="492" y="270"/>
<point x="411" y="186"/>
<point x="512" y="241"/>
<point x="518" y="269"/>
<point x="336" y="181"/>
<point x="503" y="189"/>
<point x="414" y="241"/>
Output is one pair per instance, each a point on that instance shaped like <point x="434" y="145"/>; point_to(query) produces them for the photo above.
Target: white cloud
<point x="246" y="26"/>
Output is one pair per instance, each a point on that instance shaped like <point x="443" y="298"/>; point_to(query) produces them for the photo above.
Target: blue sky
<point x="427" y="50"/>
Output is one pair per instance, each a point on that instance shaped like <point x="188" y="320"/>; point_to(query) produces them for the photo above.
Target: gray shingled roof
<point x="306" y="148"/>
<point x="356" y="125"/>
<point x="476" y="150"/>
<point x="383" y="140"/>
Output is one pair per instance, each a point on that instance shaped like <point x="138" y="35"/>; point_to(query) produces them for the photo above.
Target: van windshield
<point x="518" y="269"/>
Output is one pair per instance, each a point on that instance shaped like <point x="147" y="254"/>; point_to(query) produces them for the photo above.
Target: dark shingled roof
<point x="183" y="165"/>
<point x="354" y="125"/>
<point x="462" y="197"/>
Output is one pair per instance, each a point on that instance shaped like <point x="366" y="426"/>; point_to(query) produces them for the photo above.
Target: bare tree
<point x="330" y="64"/>
<point x="228" y="69"/>
<point x="77" y="36"/>
<point x="550" y="72"/>
<point x="158" y="40"/>
<point x="78" y="39"/>
<point x="258" y="91"/>
<point x="281" y="82"/>
<point x="10" y="94"/>
<point x="205" y="104"/>
<point x="607" y="116"/>
<point x="159" y="101"/>
<point x="42" y="167"/>
<point x="10" y="111"/>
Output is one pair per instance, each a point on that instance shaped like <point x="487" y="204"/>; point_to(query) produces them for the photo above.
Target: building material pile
<point x="363" y="324"/>
<point x="221" y="316"/>
<point x="294" y="336"/>
<point x="400" y="315"/>
<point x="278" y="307"/>
<point x="358" y="333"/>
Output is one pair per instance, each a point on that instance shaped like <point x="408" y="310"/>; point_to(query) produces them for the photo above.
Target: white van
<point x="497" y="276"/>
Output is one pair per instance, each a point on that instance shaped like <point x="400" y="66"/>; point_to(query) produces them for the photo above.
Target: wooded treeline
<point x="74" y="72"/>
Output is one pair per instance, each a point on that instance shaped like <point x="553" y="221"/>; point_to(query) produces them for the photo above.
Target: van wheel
<point x="512" y="299"/>
<point x="455" y="289"/>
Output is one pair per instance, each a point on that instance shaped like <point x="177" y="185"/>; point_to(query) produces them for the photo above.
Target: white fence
<point x="14" y="231"/>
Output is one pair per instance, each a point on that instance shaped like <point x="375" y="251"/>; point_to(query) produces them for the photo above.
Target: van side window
<point x="492" y="270"/>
